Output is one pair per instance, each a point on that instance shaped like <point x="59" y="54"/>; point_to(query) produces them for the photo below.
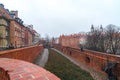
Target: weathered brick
<point x="97" y="60"/>
<point x="27" y="54"/>
<point x="29" y="72"/>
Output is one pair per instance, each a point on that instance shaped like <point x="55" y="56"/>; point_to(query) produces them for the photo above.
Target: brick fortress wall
<point x="26" y="54"/>
<point x="95" y="60"/>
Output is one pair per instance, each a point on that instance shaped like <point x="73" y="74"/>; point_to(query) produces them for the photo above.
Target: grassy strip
<point x="65" y="69"/>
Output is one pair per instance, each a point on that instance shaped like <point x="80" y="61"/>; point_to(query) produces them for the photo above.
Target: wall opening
<point x="87" y="59"/>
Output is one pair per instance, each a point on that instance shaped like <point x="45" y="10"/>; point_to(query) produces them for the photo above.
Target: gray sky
<point x="55" y="17"/>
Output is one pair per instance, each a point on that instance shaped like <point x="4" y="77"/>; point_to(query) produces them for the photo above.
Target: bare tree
<point x="101" y="39"/>
<point x="95" y="39"/>
<point x="112" y="38"/>
<point x="104" y="40"/>
<point x="47" y="40"/>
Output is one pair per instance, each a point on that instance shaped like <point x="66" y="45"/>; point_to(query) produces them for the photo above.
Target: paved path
<point x="42" y="59"/>
<point x="94" y="74"/>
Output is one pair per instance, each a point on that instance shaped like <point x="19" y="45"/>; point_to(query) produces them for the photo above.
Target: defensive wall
<point x="95" y="60"/>
<point x="13" y="67"/>
<point x="26" y="54"/>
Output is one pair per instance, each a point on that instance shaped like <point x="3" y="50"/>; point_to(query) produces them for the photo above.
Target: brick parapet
<point x="95" y="60"/>
<point x="27" y="54"/>
<point x="12" y="69"/>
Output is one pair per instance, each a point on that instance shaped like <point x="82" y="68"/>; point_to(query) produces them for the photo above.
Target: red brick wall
<point x="71" y="41"/>
<point x="17" y="34"/>
<point x="93" y="59"/>
<point x="3" y="12"/>
<point x="27" y="54"/>
<point x="4" y="74"/>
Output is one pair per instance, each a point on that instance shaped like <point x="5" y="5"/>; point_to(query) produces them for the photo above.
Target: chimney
<point x="15" y="13"/>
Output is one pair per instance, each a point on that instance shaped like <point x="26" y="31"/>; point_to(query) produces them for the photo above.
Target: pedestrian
<point x="81" y="47"/>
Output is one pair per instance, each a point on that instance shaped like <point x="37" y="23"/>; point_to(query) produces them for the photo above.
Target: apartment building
<point x="13" y="33"/>
<point x="4" y="27"/>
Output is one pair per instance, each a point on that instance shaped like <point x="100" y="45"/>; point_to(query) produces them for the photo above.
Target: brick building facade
<point x="29" y="34"/>
<point x="16" y="34"/>
<point x="4" y="27"/>
<point x="13" y="33"/>
<point x="4" y="32"/>
<point x="72" y="40"/>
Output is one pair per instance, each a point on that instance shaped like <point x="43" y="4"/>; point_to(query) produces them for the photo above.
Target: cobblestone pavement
<point x="94" y="74"/>
<point x="42" y="59"/>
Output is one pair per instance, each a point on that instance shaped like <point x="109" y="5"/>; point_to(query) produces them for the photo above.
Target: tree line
<point x="104" y="39"/>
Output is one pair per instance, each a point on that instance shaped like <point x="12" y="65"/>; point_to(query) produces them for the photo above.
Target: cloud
<point x="55" y="17"/>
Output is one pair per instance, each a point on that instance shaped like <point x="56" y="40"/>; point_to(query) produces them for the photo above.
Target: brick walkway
<point x="95" y="74"/>
<point x="21" y="70"/>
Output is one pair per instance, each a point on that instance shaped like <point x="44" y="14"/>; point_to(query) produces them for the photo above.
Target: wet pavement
<point x="41" y="60"/>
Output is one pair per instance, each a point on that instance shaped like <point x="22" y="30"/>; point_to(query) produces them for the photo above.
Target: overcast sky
<point x="55" y="17"/>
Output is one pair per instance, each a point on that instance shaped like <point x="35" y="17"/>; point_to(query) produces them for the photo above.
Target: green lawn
<point x="65" y="69"/>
